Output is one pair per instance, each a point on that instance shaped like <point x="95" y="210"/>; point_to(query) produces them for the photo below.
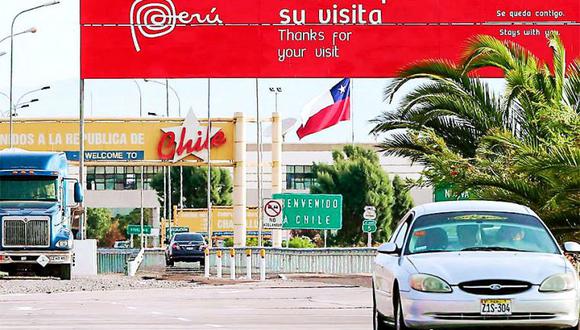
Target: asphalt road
<point x="269" y="305"/>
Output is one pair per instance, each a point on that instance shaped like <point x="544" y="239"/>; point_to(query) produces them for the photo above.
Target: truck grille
<point x="30" y="231"/>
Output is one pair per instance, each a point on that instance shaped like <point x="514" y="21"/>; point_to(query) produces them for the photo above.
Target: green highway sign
<point x="310" y="211"/>
<point x="443" y="193"/>
<point x="136" y="230"/>
<point x="175" y="230"/>
<point x="369" y="226"/>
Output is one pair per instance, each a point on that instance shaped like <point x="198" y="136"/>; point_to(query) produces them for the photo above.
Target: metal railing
<point x="329" y="261"/>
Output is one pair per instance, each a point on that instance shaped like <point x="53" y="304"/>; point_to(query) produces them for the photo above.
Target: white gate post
<point x="219" y="263"/>
<point x="232" y="264"/>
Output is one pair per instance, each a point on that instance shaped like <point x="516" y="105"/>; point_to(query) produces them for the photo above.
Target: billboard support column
<point x="276" y="168"/>
<point x="239" y="180"/>
<point x="82" y="219"/>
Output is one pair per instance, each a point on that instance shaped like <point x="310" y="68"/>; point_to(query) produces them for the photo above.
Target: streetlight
<point x="166" y="84"/>
<point x="23" y="105"/>
<point x="44" y="88"/>
<point x="12" y="56"/>
<point x="14" y="106"/>
<point x="142" y="214"/>
<point x="140" y="99"/>
<point x="31" y="30"/>
<point x="173" y="90"/>
<point x="276" y="91"/>
<point x="20" y="107"/>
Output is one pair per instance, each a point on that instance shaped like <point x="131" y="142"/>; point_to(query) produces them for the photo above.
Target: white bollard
<point x="232" y="264"/>
<point x="206" y="262"/>
<point x="262" y="265"/>
<point x="249" y="264"/>
<point x="219" y="263"/>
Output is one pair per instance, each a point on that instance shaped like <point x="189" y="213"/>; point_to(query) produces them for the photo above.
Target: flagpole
<point x="352" y="109"/>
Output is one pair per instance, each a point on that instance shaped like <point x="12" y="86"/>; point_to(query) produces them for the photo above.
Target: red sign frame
<point x="261" y="38"/>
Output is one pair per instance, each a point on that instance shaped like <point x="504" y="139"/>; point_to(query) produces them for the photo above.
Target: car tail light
<point x="202" y="247"/>
<point x="175" y="246"/>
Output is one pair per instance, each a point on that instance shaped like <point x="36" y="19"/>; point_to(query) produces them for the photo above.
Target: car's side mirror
<point x="572" y="247"/>
<point x="388" y="248"/>
<point x="78" y="193"/>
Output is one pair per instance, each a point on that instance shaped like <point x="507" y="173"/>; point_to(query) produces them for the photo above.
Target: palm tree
<point x="462" y="109"/>
<point x="523" y="146"/>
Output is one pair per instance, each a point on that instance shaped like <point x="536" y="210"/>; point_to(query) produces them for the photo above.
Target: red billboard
<point x="304" y="38"/>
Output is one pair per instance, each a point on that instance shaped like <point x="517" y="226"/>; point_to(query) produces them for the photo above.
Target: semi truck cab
<point x="36" y="213"/>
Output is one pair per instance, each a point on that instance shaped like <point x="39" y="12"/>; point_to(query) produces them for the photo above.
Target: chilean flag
<point x="326" y="110"/>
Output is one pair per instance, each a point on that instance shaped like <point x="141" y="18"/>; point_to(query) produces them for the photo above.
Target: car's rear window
<point x="189" y="237"/>
<point x="479" y="231"/>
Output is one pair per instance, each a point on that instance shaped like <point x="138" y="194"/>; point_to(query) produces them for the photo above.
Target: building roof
<point x="458" y="206"/>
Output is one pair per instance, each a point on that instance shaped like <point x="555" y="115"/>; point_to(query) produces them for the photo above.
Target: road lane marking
<point x="182" y="319"/>
<point x="213" y="325"/>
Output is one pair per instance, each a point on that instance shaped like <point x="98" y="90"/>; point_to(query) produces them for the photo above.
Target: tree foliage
<point x="402" y="200"/>
<point x="195" y="186"/>
<point x="356" y="174"/>
<point x="520" y="146"/>
<point x="99" y="222"/>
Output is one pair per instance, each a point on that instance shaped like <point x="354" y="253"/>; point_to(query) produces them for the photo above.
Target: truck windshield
<point x="28" y="188"/>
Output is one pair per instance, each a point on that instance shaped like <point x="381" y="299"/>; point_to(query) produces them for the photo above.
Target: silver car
<point x="474" y="264"/>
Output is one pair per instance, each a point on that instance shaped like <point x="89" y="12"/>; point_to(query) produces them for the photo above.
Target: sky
<point x="50" y="57"/>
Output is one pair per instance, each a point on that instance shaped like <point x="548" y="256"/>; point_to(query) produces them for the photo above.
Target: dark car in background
<point x="185" y="247"/>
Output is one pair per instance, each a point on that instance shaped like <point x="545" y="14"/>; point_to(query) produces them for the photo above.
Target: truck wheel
<point x="65" y="272"/>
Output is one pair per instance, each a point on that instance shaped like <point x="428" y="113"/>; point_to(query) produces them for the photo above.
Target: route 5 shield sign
<point x="369" y="226"/>
<point x="272" y="213"/>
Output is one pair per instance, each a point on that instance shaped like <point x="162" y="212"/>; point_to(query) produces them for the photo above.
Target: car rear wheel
<point x="169" y="263"/>
<point x="400" y="317"/>
<point x="378" y="320"/>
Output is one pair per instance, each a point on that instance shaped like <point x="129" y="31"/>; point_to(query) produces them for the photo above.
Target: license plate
<point x="496" y="307"/>
<point x="189" y="248"/>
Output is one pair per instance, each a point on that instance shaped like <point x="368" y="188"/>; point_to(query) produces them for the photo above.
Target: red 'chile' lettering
<point x="186" y="146"/>
<point x="168" y="139"/>
<point x="218" y="139"/>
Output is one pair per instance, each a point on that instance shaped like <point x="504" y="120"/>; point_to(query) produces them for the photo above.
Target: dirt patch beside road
<point x="94" y="283"/>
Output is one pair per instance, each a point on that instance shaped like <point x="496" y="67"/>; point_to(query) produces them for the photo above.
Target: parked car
<point x="187" y="247"/>
<point x="121" y="245"/>
<point x="474" y="264"/>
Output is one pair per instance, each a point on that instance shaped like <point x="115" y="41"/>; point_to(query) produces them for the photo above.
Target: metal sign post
<point x="369" y="225"/>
